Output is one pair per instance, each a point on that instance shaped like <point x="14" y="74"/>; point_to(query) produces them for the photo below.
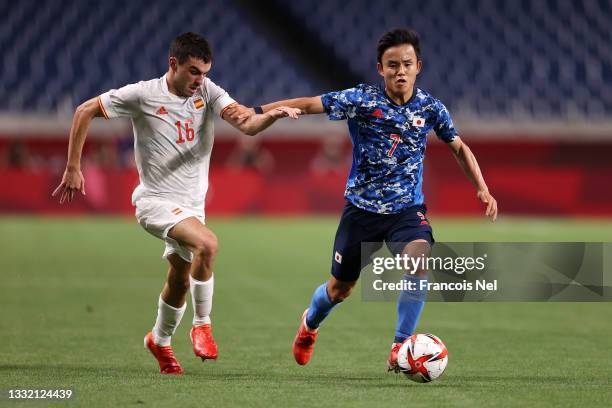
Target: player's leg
<point x="171" y="307"/>
<point x="158" y="217"/>
<point x="411" y="236"/>
<point x="202" y="243"/>
<point x="346" y="266"/>
<point x="177" y="282"/>
<point x="410" y="302"/>
<point x="172" y="303"/>
<point x="354" y="233"/>
<point x="325" y="298"/>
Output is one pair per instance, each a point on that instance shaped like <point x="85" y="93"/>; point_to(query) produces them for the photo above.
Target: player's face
<point x="189" y="76"/>
<point x="399" y="68"/>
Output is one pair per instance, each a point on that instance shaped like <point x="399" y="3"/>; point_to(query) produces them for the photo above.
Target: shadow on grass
<point x="280" y="378"/>
<point x="391" y="380"/>
<point x="26" y="369"/>
<point x="530" y="380"/>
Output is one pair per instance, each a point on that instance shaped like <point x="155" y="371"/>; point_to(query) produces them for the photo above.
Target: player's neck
<point x="399" y="99"/>
<point x="169" y="83"/>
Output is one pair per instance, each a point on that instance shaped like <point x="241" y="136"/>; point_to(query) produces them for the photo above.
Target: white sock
<point x="201" y="296"/>
<point x="168" y="319"/>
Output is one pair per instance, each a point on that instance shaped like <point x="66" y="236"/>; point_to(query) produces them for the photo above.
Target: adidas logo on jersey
<point x="378" y="113"/>
<point x="161" y="111"/>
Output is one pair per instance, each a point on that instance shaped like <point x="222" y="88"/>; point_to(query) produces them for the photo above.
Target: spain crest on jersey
<point x="198" y="103"/>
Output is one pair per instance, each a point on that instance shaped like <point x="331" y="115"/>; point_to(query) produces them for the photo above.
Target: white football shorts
<point x="158" y="216"/>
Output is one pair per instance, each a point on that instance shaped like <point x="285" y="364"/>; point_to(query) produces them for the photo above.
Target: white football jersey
<point x="173" y="136"/>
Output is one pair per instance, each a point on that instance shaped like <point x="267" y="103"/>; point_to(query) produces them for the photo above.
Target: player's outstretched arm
<point x="308" y="105"/>
<point x="72" y="179"/>
<point x="468" y="163"/>
<point x="247" y="122"/>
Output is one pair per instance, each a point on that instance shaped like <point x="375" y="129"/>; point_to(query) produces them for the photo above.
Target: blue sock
<point x="409" y="306"/>
<point x="319" y="308"/>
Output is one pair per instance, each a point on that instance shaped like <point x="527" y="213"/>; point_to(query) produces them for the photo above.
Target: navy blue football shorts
<point x="357" y="226"/>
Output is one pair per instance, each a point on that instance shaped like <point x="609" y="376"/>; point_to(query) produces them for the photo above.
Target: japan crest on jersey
<point x="418" y="121"/>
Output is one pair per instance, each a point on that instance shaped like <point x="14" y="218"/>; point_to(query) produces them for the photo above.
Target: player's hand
<point x="239" y="113"/>
<point x="285" y="111"/>
<point x="72" y="181"/>
<point x="487" y="198"/>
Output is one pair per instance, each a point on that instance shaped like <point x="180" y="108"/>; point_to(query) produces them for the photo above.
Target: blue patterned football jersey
<point x="388" y="144"/>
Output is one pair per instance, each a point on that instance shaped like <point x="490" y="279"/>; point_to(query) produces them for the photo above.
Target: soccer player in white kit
<point x="172" y="118"/>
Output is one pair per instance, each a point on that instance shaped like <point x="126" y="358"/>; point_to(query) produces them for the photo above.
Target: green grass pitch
<point x="77" y="296"/>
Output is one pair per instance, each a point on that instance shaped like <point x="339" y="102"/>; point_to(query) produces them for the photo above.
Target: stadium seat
<point x="480" y="57"/>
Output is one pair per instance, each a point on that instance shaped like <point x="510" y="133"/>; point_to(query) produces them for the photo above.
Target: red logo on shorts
<point x="422" y="217"/>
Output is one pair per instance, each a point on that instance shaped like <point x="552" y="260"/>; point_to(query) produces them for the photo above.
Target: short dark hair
<point x="190" y="45"/>
<point x="396" y="37"/>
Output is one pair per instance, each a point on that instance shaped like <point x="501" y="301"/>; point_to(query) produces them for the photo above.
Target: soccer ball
<point x="422" y="357"/>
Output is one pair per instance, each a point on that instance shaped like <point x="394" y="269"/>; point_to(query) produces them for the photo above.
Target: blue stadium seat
<point x="502" y="45"/>
<point x="482" y="57"/>
<point x="56" y="54"/>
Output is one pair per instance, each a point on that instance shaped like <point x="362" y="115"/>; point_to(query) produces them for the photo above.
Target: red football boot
<point x="204" y="345"/>
<point x="164" y="355"/>
<point x="392" y="360"/>
<point x="303" y="344"/>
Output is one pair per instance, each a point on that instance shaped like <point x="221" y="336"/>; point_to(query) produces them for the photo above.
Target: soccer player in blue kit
<point x="388" y="127"/>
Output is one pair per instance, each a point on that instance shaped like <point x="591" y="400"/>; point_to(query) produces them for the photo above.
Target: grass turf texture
<point x="78" y="295"/>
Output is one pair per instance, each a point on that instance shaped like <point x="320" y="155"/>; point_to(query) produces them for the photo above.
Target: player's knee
<point x="340" y="293"/>
<point x="207" y="246"/>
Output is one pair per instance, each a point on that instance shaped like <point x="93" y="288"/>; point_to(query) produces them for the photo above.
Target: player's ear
<point x="419" y="65"/>
<point x="379" y="68"/>
<point x="173" y="63"/>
